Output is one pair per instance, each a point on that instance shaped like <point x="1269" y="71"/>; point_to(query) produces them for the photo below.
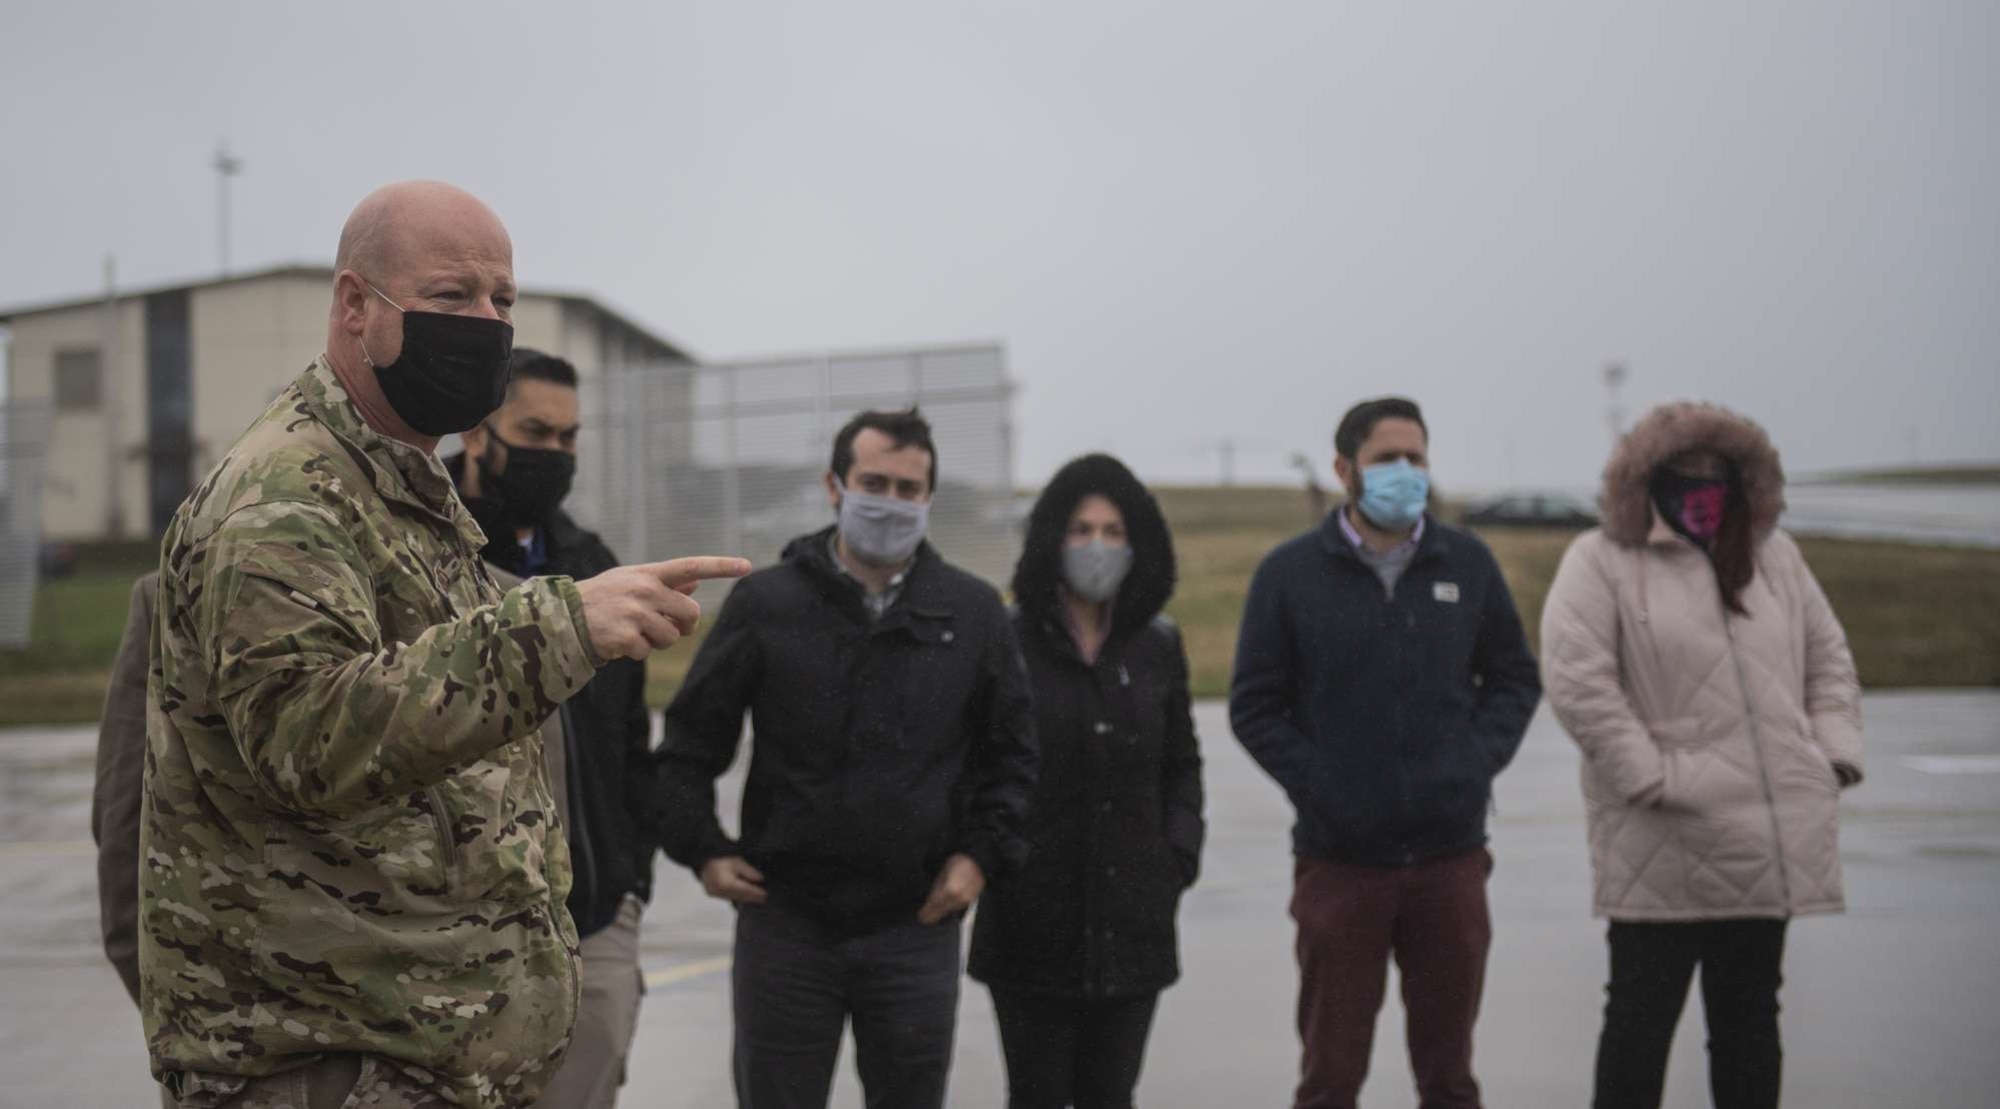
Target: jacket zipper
<point x="1399" y="644"/>
<point x="1763" y="768"/>
<point x="1093" y="896"/>
<point x="447" y="845"/>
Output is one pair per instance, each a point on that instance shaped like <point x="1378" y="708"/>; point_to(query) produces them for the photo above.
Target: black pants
<point x="796" y="985"/>
<point x="1650" y="968"/>
<point x="1063" y="1051"/>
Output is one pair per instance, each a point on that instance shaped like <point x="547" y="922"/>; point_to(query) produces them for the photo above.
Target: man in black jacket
<point x="1382" y="677"/>
<point x="892" y="766"/>
<point x="513" y="476"/>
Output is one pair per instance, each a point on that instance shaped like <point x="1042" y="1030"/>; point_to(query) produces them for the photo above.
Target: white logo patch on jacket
<point x="1446" y="591"/>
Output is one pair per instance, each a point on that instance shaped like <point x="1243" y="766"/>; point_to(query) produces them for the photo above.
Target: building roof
<point x="668" y="347"/>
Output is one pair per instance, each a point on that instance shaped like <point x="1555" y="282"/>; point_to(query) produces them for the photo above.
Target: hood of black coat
<point x="1038" y="575"/>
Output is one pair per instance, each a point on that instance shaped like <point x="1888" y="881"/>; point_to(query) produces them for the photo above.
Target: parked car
<point x="1531" y="510"/>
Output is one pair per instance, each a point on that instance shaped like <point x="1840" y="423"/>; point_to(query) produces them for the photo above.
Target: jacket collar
<point x="400" y="472"/>
<point x="923" y="586"/>
<point x="1051" y="622"/>
<point x="1334" y="539"/>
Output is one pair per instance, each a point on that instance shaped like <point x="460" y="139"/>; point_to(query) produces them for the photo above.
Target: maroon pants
<point x="1432" y="917"/>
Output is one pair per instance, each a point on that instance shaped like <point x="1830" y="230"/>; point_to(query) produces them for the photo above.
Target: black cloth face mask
<point x="452" y="372"/>
<point x="535" y="483"/>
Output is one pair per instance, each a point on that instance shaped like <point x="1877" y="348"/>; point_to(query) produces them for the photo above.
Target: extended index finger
<point x="679" y="573"/>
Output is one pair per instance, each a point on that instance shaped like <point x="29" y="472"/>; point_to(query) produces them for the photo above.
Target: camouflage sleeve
<point x="327" y="716"/>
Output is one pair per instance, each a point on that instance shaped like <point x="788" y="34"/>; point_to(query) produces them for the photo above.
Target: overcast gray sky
<point x="1188" y="221"/>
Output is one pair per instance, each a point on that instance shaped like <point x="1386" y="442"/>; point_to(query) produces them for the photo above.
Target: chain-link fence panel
<point x="24" y="429"/>
<point x="729" y="458"/>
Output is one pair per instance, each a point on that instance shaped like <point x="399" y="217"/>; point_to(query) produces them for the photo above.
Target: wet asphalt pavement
<point x="1895" y="1004"/>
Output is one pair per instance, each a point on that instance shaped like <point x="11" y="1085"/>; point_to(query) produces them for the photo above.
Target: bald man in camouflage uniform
<point x="351" y="872"/>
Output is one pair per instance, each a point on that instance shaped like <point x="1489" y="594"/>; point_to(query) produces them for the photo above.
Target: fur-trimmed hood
<point x="1038" y="575"/>
<point x="1626" y="500"/>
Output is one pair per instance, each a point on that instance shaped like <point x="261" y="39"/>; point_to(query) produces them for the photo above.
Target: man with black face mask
<point x="517" y="468"/>
<point x="352" y="878"/>
<point x="513" y="476"/>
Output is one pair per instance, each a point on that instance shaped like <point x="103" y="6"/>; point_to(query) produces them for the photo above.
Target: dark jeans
<point x="1651" y="965"/>
<point x="1067" y="1051"/>
<point x="1433" y="919"/>
<point x="796" y="985"/>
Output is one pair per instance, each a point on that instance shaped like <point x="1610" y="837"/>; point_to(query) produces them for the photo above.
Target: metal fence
<point x="24" y="429"/>
<point x="728" y="458"/>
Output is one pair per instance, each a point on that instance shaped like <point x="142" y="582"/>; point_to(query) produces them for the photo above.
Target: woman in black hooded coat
<point x="1078" y="944"/>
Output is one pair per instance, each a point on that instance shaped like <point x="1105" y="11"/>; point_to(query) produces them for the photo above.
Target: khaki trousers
<point x="594" y="1068"/>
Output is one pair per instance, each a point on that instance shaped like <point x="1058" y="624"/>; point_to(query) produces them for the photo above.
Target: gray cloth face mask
<point x="882" y="531"/>
<point x="1095" y="570"/>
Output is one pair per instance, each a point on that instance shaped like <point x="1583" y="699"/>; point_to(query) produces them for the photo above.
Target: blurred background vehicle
<point x="1538" y="510"/>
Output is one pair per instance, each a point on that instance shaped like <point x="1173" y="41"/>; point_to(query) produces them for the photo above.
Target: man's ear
<point x="1343" y="468"/>
<point x="832" y="489"/>
<point x="475" y="441"/>
<point x="350" y="299"/>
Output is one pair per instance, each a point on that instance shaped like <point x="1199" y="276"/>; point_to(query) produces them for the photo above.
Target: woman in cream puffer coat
<point x="1692" y="656"/>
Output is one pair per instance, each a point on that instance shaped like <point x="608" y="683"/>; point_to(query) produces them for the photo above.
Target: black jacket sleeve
<point x="703" y="726"/>
<point x="1005" y="759"/>
<point x="1510" y="683"/>
<point x="1180" y="771"/>
<point x="1263" y="692"/>
<point x="636" y="759"/>
<point x="117" y="798"/>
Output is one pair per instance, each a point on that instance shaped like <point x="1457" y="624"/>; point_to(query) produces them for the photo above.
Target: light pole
<point x="1615" y="374"/>
<point x="226" y="166"/>
<point x="110" y="402"/>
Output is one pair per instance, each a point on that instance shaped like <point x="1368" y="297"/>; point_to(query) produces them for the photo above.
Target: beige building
<point x="147" y="391"/>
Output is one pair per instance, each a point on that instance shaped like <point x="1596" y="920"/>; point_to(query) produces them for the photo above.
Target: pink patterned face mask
<point x="1700" y="509"/>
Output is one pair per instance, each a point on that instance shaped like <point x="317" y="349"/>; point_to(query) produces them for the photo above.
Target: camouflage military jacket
<point x="348" y="841"/>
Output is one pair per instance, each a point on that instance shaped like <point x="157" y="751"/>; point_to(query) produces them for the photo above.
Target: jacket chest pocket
<point x="1440" y="617"/>
<point x="935" y="670"/>
<point x="460" y="582"/>
<point x="418" y="586"/>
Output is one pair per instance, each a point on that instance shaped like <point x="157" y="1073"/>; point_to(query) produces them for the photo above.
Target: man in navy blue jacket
<point x="1383" y="679"/>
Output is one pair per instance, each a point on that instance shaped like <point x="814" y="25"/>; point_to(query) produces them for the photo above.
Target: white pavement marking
<point x="687" y="971"/>
<point x="1953" y="764"/>
<point x="28" y="849"/>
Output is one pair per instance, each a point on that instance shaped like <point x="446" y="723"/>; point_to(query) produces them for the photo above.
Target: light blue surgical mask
<point x="1393" y="494"/>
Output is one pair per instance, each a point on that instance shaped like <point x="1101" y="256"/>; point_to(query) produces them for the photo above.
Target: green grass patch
<point x="1912" y="475"/>
<point x="78" y="620"/>
<point x="1916" y="616"/>
<point x="41" y="699"/>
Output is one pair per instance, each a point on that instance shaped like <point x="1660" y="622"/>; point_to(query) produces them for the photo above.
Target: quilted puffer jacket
<point x="1710" y="737"/>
